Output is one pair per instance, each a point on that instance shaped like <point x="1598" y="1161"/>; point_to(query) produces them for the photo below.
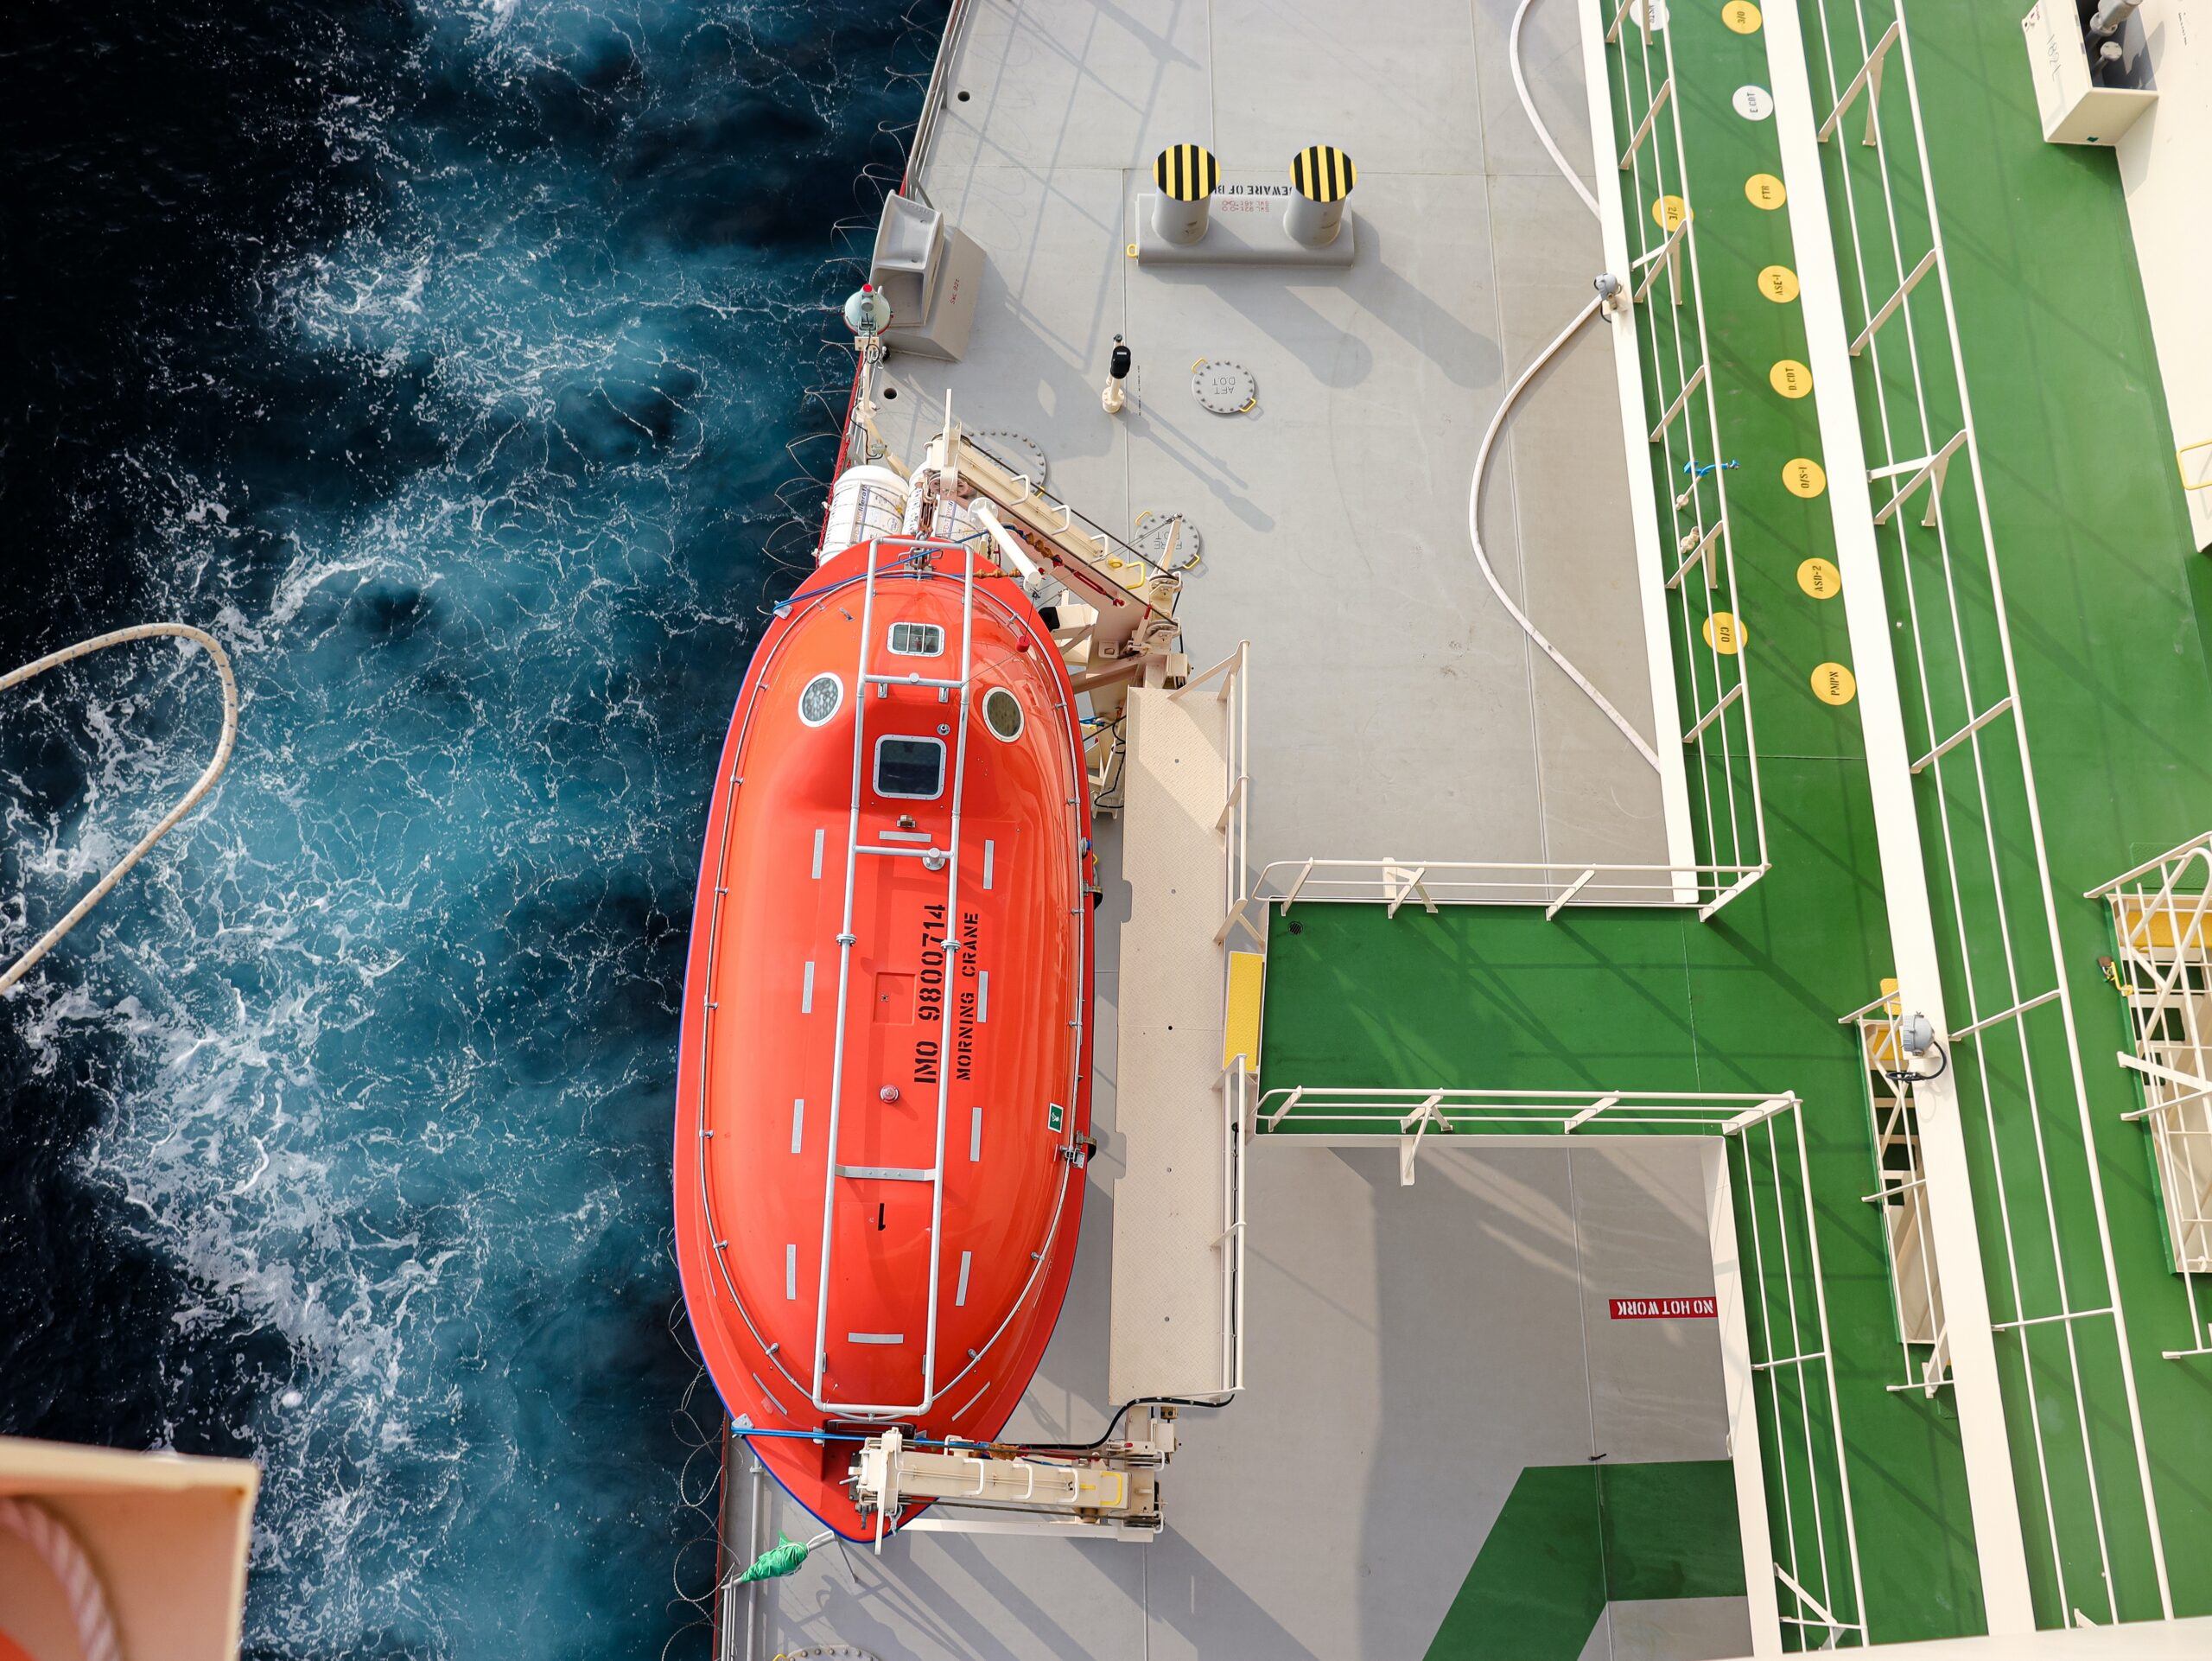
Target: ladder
<point x="917" y="558"/>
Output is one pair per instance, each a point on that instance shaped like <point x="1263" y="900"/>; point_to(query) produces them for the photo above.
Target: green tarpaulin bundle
<point x="782" y="1558"/>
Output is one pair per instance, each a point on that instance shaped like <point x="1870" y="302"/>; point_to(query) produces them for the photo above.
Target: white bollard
<point x="1321" y="176"/>
<point x="1186" y="176"/>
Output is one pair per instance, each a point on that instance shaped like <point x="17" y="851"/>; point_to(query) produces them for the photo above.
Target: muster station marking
<point x="1820" y="578"/>
<point x="1834" y="684"/>
<point x="1803" y="477"/>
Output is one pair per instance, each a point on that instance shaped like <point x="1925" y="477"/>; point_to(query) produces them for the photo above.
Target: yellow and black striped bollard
<point x="1186" y="176"/>
<point x="1321" y="176"/>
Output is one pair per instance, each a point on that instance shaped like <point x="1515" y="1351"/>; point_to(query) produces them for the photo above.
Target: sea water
<point x="440" y="358"/>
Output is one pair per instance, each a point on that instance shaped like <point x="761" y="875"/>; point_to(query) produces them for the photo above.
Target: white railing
<point x="1237" y="1079"/>
<point x="1235" y="823"/>
<point x="2163" y="932"/>
<point x="1684" y="431"/>
<point x="1238" y="1096"/>
<point x="1901" y="1190"/>
<point x="1789" y="1326"/>
<point x="1409" y="1115"/>
<point x="917" y="152"/>
<point x="934" y="858"/>
<point x="1555" y="885"/>
<point x="1978" y="788"/>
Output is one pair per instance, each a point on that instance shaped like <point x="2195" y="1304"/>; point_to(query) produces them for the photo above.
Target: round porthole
<point x="1002" y="714"/>
<point x="820" y="699"/>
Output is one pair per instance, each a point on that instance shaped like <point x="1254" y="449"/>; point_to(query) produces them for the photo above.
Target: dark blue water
<point x="441" y="358"/>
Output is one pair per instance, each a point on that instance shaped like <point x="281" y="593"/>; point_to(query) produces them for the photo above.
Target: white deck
<point x="1397" y="710"/>
<point x="1408" y="1349"/>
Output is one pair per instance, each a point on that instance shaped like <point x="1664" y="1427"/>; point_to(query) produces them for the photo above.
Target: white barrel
<point x="867" y="502"/>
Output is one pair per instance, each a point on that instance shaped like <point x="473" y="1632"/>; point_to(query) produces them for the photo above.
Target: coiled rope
<point x="1505" y="407"/>
<point x="47" y="942"/>
<point x="73" y="1572"/>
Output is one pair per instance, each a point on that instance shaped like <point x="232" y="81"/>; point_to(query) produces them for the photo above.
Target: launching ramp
<point x="1178" y="1212"/>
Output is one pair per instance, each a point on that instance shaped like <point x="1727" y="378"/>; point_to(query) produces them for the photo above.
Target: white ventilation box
<point x="928" y="273"/>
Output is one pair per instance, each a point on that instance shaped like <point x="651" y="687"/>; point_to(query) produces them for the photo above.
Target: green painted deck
<point x="2110" y="615"/>
<point x="2102" y="593"/>
<point x="1572" y="1537"/>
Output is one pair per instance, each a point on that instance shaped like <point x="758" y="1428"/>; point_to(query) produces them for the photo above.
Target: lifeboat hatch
<point x="895" y="999"/>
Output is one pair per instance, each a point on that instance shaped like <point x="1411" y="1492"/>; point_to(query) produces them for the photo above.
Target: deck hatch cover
<point x="1223" y="387"/>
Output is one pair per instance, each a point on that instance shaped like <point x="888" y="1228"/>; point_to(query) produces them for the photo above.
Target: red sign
<point x="1663" y="1309"/>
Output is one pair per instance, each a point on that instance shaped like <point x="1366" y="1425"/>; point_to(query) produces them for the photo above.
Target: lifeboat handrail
<point x="946" y="949"/>
<point x="716" y="1245"/>
<point x="864" y="678"/>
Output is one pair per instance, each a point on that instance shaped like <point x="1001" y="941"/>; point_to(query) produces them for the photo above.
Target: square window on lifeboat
<point x="910" y="768"/>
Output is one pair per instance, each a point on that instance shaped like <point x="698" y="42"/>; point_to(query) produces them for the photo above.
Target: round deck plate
<point x="1017" y="452"/>
<point x="1151" y="540"/>
<point x="1223" y="387"/>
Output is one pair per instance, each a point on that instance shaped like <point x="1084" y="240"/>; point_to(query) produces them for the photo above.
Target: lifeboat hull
<point x="884" y="1105"/>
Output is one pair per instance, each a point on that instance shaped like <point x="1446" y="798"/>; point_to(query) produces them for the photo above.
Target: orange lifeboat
<point x="884" y="1095"/>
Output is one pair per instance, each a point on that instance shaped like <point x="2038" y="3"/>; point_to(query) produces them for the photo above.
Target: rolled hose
<point x="1529" y="104"/>
<point x="1505" y="407"/>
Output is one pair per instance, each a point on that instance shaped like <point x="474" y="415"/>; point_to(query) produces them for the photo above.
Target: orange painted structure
<point x="884" y="1096"/>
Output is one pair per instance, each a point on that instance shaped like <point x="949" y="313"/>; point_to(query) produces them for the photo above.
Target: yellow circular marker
<point x="1791" y="378"/>
<point x="1669" y="211"/>
<point x="1820" y="578"/>
<point x="1778" y="283"/>
<point x="1723" y="633"/>
<point x="1834" y="684"/>
<point x="1801" y="476"/>
<point x="1741" y="15"/>
<point x="1764" y="190"/>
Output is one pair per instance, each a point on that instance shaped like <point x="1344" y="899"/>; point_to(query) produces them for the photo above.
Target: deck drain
<point x="1015" y="452"/>
<point x="1150" y="539"/>
<point x="1223" y="387"/>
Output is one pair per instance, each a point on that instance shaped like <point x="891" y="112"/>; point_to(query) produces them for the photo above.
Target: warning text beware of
<point x="1663" y="1309"/>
